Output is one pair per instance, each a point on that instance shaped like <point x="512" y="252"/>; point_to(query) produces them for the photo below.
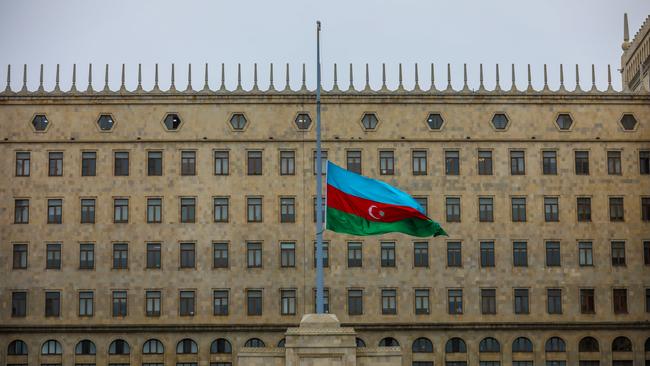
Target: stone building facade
<point x="177" y="227"/>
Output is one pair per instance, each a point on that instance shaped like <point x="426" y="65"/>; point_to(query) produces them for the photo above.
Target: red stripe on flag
<point x="369" y="210"/>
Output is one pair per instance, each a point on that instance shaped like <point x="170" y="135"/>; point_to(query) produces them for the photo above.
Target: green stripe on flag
<point x="343" y="222"/>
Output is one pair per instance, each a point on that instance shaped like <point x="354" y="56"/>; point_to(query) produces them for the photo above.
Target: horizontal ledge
<point x="313" y="141"/>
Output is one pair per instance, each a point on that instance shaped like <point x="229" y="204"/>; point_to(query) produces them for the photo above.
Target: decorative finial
<point x="189" y="78"/>
<point x="367" y="87"/>
<point x="255" y="76"/>
<point x="206" y="86"/>
<point x="545" y="78"/>
<point x="336" y="83"/>
<point x="73" y="87"/>
<point x="24" y="88"/>
<point x="448" y="76"/>
<point x="433" y="78"/>
<point x="122" y="86"/>
<point x="561" y="77"/>
<point x="400" y="86"/>
<point x="577" y="78"/>
<point x="626" y="34"/>
<point x="351" y="86"/>
<point x="609" y="77"/>
<point x="8" y="87"/>
<point x="90" y="78"/>
<point x="223" y="77"/>
<point x="593" y="77"/>
<point x="172" y="87"/>
<point x="287" y="85"/>
<point x="417" y="79"/>
<point x="304" y="78"/>
<point x="497" y="85"/>
<point x="530" y="81"/>
<point x="40" y="80"/>
<point x="155" y="78"/>
<point x="465" y="86"/>
<point x="383" y="76"/>
<point x="106" y="79"/>
<point x="239" y="77"/>
<point x="139" y="76"/>
<point x="480" y="77"/>
<point x="271" y="86"/>
<point x="56" y="78"/>
<point x="513" y="87"/>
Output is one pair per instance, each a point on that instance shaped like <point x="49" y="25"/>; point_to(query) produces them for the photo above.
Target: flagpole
<point x="319" y="188"/>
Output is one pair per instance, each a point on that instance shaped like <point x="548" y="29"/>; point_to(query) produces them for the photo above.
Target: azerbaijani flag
<point x="359" y="205"/>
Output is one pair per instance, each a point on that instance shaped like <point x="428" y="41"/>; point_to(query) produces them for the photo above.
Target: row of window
<point x="287" y="209"/>
<point x="387" y="162"/>
<point x="355" y="300"/>
<point x="287" y="254"/>
<point x="369" y="122"/>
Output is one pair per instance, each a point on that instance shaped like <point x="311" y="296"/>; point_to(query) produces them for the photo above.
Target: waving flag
<point x="363" y="206"/>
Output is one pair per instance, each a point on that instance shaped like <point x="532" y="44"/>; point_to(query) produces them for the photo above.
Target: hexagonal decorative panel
<point x="500" y="121"/>
<point x="238" y="121"/>
<point x="369" y="121"/>
<point x="303" y="121"/>
<point x="435" y="121"/>
<point x="564" y="121"/>
<point x="628" y="122"/>
<point x="172" y="122"/>
<point x="40" y="122"/>
<point x="105" y="122"/>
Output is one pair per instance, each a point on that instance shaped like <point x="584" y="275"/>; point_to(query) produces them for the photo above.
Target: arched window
<point x="489" y="344"/>
<point x="360" y="342"/>
<point x="119" y="347"/>
<point x="51" y="347"/>
<point x="455" y="345"/>
<point x="555" y="344"/>
<point x="282" y="342"/>
<point x="85" y="347"/>
<point x="389" y="342"/>
<point x="220" y="345"/>
<point x="186" y="346"/>
<point x="153" y="347"/>
<point x="422" y="345"/>
<point x="522" y="344"/>
<point x="17" y="348"/>
<point x="588" y="344"/>
<point x="621" y="344"/>
<point x="255" y="343"/>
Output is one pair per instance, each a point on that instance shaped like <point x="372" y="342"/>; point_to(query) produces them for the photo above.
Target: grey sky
<point x="358" y="32"/>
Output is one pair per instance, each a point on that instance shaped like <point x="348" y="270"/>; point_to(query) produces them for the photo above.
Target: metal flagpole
<point x="319" y="187"/>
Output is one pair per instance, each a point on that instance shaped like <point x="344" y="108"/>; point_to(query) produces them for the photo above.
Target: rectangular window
<point x="484" y="162"/>
<point x="120" y="210"/>
<point x="419" y="162"/>
<point x="551" y="209"/>
<point x="154" y="210"/>
<point x="487" y="254"/>
<point x="323" y="210"/>
<point x="452" y="208"/>
<point x="584" y="209"/>
<point x="614" y="163"/>
<point x="323" y="161"/>
<point x="287" y="209"/>
<point x="220" y="255"/>
<point x="55" y="164"/>
<point x="254" y="162"/>
<point x="86" y="256"/>
<point x="520" y="254"/>
<point x="154" y="163"/>
<point x="52" y="303"/>
<point x="423" y="202"/>
<point x="288" y="302"/>
<point x="521" y="301"/>
<point x="485" y="209"/>
<point x="186" y="303"/>
<point x="188" y="162"/>
<point x="454" y="254"/>
<point x="585" y="253"/>
<point x="287" y="254"/>
<point x="220" y="302"/>
<point x="254" y="209"/>
<point x="86" y="302"/>
<point x="388" y="302"/>
<point x="618" y="253"/>
<point x="19" y="304"/>
<point x="254" y="255"/>
<point x="355" y="302"/>
<point x="88" y="164"/>
<point x="326" y="300"/>
<point x="645" y="209"/>
<point x="452" y="163"/>
<point x="387" y="254"/>
<point x="287" y="162"/>
<point x="386" y="162"/>
<point x="422" y="301"/>
<point x="188" y="209"/>
<point x="119" y="303"/>
<point x="54" y="211"/>
<point x="20" y="256"/>
<point x="221" y="163"/>
<point x="154" y="256"/>
<point x="517" y="162"/>
<point x="518" y="209"/>
<point x="644" y="162"/>
<point x="254" y="302"/>
<point x="647" y="300"/>
<point x="646" y="253"/>
<point x="23" y="162"/>
<point x="549" y="162"/>
<point x="421" y="254"/>
<point x="355" y="254"/>
<point x="455" y="301"/>
<point x="221" y="209"/>
<point x="587" y="303"/>
<point x="554" y="300"/>
<point x="88" y="211"/>
<point x="616" y="212"/>
<point x="21" y="211"/>
<point x="188" y="255"/>
<point x="582" y="162"/>
<point x="488" y="301"/>
<point x="553" y="254"/>
<point x="326" y="254"/>
<point x="121" y="164"/>
<point x="53" y="256"/>
<point x="153" y="301"/>
<point x="120" y="256"/>
<point x="620" y="300"/>
<point x="354" y="161"/>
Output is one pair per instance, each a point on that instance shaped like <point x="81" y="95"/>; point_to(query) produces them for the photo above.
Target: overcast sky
<point x="571" y="32"/>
